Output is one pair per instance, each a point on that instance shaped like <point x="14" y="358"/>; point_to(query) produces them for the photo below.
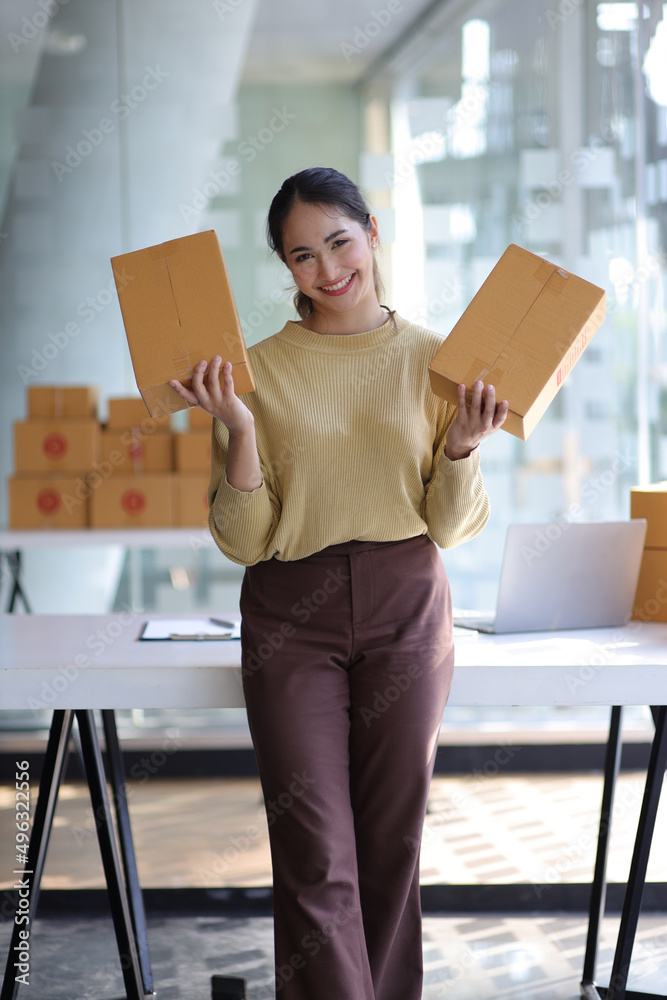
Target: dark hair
<point x="318" y="186"/>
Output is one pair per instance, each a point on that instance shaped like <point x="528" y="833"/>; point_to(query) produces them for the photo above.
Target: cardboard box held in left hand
<point x="523" y="332"/>
<point x="178" y="309"/>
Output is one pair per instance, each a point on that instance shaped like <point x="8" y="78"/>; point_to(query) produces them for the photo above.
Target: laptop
<point x="565" y="575"/>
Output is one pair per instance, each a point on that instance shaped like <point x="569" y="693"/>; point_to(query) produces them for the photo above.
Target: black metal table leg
<point x="120" y="910"/>
<point x="599" y="886"/>
<point x="13" y="560"/>
<point x="135" y="899"/>
<point x="617" y="989"/>
<point x="637" y="877"/>
<point x="55" y="762"/>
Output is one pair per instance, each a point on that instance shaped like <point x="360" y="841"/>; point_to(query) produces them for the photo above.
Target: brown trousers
<point x="347" y="662"/>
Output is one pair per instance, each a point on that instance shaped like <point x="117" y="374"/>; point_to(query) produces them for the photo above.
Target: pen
<point x="200" y="635"/>
<point x="221" y="621"/>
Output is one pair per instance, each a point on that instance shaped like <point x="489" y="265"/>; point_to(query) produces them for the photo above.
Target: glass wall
<point x="541" y="124"/>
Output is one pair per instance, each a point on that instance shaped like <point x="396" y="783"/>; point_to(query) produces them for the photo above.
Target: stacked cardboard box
<point x="651" y="595"/>
<point x="54" y="449"/>
<point x="138" y="459"/>
<point x="73" y="472"/>
<point x="193" y="466"/>
<point x="158" y="478"/>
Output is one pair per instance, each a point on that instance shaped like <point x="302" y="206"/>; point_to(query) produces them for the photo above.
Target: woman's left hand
<point x="471" y="426"/>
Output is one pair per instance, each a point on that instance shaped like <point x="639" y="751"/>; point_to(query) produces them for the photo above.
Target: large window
<point x="539" y="124"/>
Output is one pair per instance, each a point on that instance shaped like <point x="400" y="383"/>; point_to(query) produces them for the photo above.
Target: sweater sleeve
<point x="243" y="524"/>
<point x="456" y="505"/>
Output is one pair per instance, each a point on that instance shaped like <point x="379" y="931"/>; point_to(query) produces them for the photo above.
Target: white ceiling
<point x="287" y="40"/>
<point x="317" y="40"/>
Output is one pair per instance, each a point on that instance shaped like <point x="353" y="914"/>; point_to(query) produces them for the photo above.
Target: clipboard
<point x="189" y="629"/>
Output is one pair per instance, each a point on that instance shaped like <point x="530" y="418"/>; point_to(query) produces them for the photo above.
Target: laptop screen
<point x="569" y="575"/>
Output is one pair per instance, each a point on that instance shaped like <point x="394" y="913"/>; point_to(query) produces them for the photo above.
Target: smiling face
<point x="331" y="259"/>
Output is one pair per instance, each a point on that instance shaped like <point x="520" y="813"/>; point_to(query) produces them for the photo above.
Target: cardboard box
<point x="651" y="596"/>
<point x="47" y="502"/>
<point x="130" y="411"/>
<point x="56" y="445"/>
<point x="178" y="309"/>
<point x="651" y="502"/>
<point x="650" y="603"/>
<point x="130" y="451"/>
<point x="62" y="402"/>
<point x="193" y="451"/>
<point x="122" y="501"/>
<point x="523" y="333"/>
<point x="191" y="489"/>
<point x="199" y="419"/>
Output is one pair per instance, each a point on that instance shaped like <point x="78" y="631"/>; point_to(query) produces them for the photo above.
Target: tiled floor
<point x="504" y="958"/>
<point x="479" y="829"/>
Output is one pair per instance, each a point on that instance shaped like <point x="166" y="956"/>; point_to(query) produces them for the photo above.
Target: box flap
<point x="494" y="314"/>
<point x="538" y="349"/>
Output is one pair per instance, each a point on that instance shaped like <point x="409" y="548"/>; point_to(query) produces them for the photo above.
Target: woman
<point x="331" y="483"/>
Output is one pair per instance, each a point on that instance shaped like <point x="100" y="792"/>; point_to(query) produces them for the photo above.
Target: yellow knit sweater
<point x="350" y="439"/>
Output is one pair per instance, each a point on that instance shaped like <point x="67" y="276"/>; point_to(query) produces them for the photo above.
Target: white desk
<point x="137" y="538"/>
<point x="14" y="543"/>
<point x="79" y="663"/>
<point x="95" y="661"/>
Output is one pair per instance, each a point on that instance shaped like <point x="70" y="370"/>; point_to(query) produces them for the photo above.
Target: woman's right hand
<point x="219" y="400"/>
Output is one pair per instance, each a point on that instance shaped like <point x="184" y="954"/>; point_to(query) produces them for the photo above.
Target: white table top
<point x="131" y="538"/>
<point x="95" y="661"/>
